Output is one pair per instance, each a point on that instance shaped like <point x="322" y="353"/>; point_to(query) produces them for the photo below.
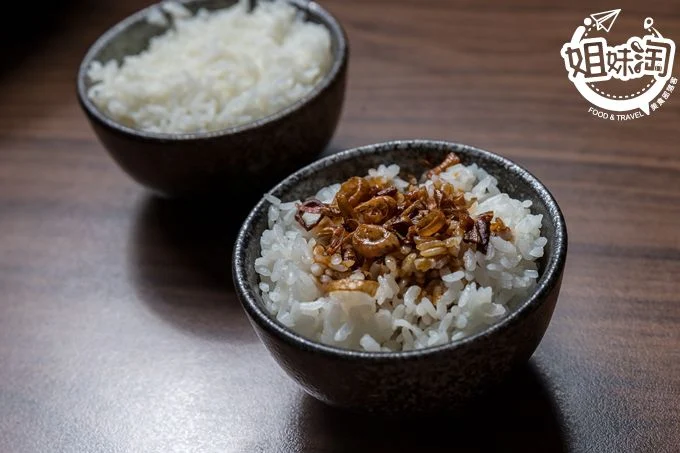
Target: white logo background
<point x="651" y="55"/>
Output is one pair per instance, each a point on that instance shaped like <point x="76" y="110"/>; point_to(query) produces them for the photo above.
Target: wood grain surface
<point x="119" y="327"/>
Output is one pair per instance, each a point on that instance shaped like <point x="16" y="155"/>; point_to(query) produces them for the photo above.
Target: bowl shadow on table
<point x="180" y="265"/>
<point x="180" y="262"/>
<point x="519" y="415"/>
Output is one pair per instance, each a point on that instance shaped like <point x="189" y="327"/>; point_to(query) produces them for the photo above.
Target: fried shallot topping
<point x="372" y="228"/>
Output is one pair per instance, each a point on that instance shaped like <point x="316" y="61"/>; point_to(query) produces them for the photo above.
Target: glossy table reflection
<point x="119" y="327"/>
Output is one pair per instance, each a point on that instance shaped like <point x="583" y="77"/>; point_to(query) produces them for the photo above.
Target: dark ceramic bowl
<point x="250" y="157"/>
<point x="405" y="382"/>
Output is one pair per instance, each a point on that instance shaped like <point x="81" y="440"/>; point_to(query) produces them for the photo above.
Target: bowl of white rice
<point x="197" y="97"/>
<point x="402" y="276"/>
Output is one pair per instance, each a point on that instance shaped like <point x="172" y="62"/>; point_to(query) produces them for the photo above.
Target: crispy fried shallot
<point x="372" y="241"/>
<point x="366" y="286"/>
<point x="480" y="232"/>
<point x="371" y="228"/>
<point x="450" y="160"/>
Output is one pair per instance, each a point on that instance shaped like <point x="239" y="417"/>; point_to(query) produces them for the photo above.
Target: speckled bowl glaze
<point x="441" y="377"/>
<point x="250" y="157"/>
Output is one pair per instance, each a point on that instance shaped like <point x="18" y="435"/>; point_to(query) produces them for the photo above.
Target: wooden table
<point x="119" y="327"/>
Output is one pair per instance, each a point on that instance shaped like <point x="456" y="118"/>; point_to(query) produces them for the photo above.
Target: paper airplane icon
<point x="605" y="19"/>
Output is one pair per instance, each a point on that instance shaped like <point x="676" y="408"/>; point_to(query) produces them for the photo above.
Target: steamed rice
<point x="214" y="70"/>
<point x="480" y="293"/>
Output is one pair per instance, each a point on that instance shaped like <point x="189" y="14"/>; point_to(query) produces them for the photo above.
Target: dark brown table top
<point x="119" y="327"/>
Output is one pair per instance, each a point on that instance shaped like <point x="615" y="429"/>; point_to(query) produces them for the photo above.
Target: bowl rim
<point x="308" y="7"/>
<point x="547" y="281"/>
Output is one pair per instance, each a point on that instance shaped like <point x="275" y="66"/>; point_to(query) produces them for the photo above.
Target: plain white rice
<point x="214" y="70"/>
<point x="477" y="296"/>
